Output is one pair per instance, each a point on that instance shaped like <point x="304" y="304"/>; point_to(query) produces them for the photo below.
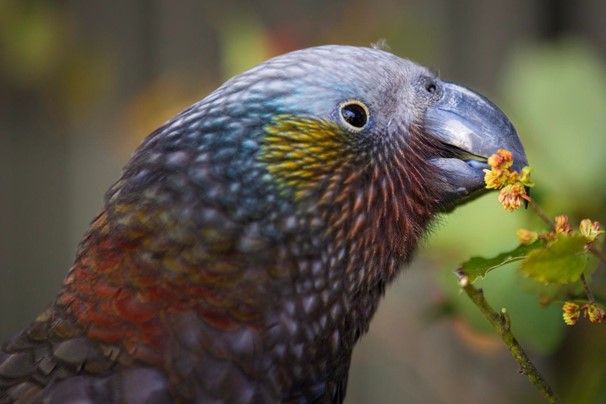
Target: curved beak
<point x="471" y="128"/>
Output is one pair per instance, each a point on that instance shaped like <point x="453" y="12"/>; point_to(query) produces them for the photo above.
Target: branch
<point x="588" y="291"/>
<point x="539" y="211"/>
<point x="501" y="323"/>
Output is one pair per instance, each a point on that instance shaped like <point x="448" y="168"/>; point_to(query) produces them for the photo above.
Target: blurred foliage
<point x="556" y="94"/>
<point x="156" y="103"/>
<point x="30" y="40"/>
<point x="38" y="53"/>
<point x="244" y="43"/>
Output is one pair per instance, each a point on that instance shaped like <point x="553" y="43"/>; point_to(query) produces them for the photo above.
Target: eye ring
<point x="431" y="87"/>
<point x="354" y="115"/>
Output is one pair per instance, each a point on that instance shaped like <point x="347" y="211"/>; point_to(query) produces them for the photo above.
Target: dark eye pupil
<point x="431" y="87"/>
<point x="354" y="114"/>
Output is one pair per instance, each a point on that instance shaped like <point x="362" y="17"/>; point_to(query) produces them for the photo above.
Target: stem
<point x="501" y="323"/>
<point x="539" y="211"/>
<point x="588" y="291"/>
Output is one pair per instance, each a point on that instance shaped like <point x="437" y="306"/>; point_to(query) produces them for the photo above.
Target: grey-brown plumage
<point x="246" y="246"/>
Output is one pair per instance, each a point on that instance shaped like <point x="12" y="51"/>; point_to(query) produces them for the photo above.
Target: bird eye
<point x="431" y="87"/>
<point x="354" y="114"/>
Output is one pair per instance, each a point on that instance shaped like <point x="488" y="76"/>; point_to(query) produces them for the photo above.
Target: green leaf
<point x="477" y="267"/>
<point x="562" y="261"/>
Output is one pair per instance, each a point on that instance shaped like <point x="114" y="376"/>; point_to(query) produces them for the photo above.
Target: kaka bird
<point x="246" y="246"/>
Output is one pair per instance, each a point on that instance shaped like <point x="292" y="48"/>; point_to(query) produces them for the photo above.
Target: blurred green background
<point x="82" y="82"/>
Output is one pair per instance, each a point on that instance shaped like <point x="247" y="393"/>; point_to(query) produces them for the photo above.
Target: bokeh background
<point x="82" y="82"/>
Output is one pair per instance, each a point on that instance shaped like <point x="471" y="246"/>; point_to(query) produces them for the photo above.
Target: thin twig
<point x="501" y="323"/>
<point x="539" y="211"/>
<point x="588" y="291"/>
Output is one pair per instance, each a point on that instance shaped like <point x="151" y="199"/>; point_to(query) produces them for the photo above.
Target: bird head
<point x="347" y="111"/>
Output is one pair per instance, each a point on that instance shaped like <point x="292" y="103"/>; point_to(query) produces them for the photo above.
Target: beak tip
<point x="469" y="122"/>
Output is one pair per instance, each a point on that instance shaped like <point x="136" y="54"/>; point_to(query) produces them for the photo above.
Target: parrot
<point x="245" y="247"/>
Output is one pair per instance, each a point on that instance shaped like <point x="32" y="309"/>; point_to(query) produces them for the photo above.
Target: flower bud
<point x="524" y="177"/>
<point x="526" y="236"/>
<point x="502" y="159"/>
<point x="590" y="230"/>
<point x="595" y="313"/>
<point x="571" y="313"/>
<point x="562" y="226"/>
<point x="511" y="196"/>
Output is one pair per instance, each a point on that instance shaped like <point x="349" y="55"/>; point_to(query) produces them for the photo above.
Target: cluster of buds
<point x="512" y="184"/>
<point x="588" y="229"/>
<point x="594" y="312"/>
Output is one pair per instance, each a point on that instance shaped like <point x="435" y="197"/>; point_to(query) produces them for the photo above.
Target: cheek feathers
<point x="299" y="151"/>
